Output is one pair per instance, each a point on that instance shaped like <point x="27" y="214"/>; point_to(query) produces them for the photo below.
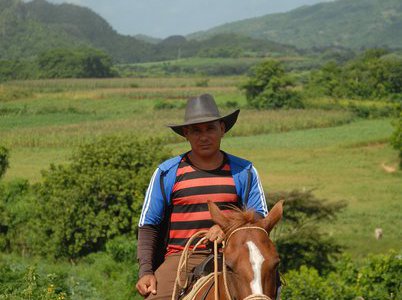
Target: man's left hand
<point x="215" y="233"/>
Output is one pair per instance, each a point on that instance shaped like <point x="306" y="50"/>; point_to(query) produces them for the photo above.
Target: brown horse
<point x="250" y="258"/>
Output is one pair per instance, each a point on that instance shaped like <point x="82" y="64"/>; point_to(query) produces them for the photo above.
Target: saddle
<point x="200" y="276"/>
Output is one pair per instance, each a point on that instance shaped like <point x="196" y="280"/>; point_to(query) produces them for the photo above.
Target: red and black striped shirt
<point x="192" y="189"/>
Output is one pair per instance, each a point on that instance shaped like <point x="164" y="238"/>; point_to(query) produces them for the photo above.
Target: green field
<point x="332" y="152"/>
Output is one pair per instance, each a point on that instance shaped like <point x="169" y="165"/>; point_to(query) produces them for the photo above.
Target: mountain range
<point x="29" y="28"/>
<point x="351" y="24"/>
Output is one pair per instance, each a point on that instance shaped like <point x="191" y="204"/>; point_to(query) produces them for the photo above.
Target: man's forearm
<point x="146" y="248"/>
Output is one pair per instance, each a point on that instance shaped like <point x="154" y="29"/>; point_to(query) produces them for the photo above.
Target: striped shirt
<point x="192" y="189"/>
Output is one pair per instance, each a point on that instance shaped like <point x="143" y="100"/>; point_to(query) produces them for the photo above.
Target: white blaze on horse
<point x="250" y="259"/>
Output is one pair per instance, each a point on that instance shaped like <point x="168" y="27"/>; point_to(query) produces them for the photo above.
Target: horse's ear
<point x="217" y="216"/>
<point x="274" y="216"/>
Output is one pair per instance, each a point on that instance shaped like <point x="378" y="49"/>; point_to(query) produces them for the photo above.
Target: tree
<point x="75" y="63"/>
<point x="298" y="238"/>
<point x="3" y="160"/>
<point x="396" y="138"/>
<point x="269" y="88"/>
<point x="97" y="196"/>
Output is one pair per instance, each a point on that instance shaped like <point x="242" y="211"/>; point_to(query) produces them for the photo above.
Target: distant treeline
<point x="60" y="63"/>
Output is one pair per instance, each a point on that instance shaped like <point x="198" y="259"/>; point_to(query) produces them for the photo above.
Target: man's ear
<point x="223" y="127"/>
<point x="185" y="131"/>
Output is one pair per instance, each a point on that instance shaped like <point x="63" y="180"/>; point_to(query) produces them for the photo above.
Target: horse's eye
<point x="229" y="269"/>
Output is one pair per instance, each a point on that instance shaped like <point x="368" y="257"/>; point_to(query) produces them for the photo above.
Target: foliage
<point x="269" y="88"/>
<point x="298" y="238"/>
<point x="79" y="63"/>
<point x="377" y="277"/>
<point x="327" y="24"/>
<point x="97" y="196"/>
<point x="396" y="139"/>
<point x="4" y="153"/>
<point x="372" y="75"/>
<point x="16" y="210"/>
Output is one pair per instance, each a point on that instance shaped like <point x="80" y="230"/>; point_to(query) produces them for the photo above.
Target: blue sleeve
<point x="154" y="204"/>
<point x="256" y="198"/>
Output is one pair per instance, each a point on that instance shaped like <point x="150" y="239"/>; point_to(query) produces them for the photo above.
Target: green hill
<point x="347" y="23"/>
<point x="29" y="29"/>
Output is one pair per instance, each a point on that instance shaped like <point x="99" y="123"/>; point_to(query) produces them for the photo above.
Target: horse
<point x="250" y="260"/>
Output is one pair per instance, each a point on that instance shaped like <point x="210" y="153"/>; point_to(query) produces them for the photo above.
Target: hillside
<point x="348" y="23"/>
<point x="28" y="29"/>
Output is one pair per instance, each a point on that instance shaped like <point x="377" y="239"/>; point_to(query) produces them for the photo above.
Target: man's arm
<point x="146" y="248"/>
<point x="256" y="198"/>
<point x="148" y="235"/>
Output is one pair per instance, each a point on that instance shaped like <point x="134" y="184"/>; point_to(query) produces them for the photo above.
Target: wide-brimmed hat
<point x="203" y="109"/>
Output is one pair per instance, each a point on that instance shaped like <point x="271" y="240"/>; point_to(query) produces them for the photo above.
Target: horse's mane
<point x="239" y="217"/>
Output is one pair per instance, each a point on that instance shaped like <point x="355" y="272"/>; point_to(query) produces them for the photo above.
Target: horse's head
<point x="250" y="256"/>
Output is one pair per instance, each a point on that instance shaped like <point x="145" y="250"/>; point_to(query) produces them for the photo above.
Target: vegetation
<point x="376" y="277"/>
<point x="60" y="63"/>
<point x="3" y="160"/>
<point x="270" y="88"/>
<point x="69" y="234"/>
<point x="372" y="75"/>
<point x="103" y="186"/>
<point x="396" y="139"/>
<point x="298" y="238"/>
<point x="325" y="25"/>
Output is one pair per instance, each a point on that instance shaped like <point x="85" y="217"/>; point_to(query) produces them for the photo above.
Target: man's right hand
<point x="146" y="284"/>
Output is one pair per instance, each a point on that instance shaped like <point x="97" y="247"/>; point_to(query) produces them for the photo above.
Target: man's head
<point x="203" y="109"/>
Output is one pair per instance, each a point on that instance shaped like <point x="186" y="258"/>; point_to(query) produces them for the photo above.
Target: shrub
<point x="269" y="88"/>
<point x="298" y="237"/>
<point x="163" y="104"/>
<point x="97" y="196"/>
<point x="4" y="153"/>
<point x="122" y="249"/>
<point x="376" y="277"/>
<point x="396" y="138"/>
<point x="75" y="63"/>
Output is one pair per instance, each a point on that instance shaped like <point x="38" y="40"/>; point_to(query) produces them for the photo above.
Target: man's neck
<point x="206" y="163"/>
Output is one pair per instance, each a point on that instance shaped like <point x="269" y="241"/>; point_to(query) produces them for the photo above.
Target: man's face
<point x="205" y="138"/>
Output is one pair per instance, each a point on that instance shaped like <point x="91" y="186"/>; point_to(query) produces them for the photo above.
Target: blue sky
<point x="162" y="18"/>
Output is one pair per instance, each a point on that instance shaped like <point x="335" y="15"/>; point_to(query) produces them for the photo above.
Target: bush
<point x="123" y="249"/>
<point x="75" y="63"/>
<point x="17" y="211"/>
<point x="269" y="88"/>
<point x="298" y="237"/>
<point x="97" y="196"/>
<point x="3" y="160"/>
<point x="396" y="139"/>
<point x="376" y="277"/>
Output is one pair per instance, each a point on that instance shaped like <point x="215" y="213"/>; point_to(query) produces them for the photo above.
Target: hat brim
<point x="229" y="121"/>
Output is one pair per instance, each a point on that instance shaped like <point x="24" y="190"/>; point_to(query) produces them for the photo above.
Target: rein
<point x="185" y="255"/>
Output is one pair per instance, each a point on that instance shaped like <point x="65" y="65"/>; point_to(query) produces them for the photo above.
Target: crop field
<point x="329" y="151"/>
<point x="325" y="148"/>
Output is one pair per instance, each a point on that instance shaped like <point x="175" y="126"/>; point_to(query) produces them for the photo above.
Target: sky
<point x="163" y="18"/>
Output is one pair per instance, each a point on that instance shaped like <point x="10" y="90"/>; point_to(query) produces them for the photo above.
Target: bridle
<point x="224" y="268"/>
<point x="185" y="255"/>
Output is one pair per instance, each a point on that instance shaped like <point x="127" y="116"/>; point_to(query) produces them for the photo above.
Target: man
<point x="175" y="205"/>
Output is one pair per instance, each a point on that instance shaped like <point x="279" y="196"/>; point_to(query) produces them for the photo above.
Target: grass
<point x="329" y="151"/>
<point x="338" y="163"/>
